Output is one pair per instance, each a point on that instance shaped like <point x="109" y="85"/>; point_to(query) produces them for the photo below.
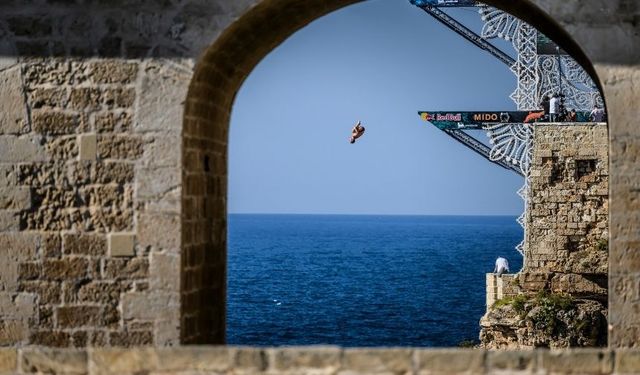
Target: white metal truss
<point x="538" y="76"/>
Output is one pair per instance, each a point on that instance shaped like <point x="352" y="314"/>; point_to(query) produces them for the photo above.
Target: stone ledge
<point x="314" y="359"/>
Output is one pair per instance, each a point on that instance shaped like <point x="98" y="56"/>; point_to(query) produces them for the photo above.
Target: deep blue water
<point x="362" y="280"/>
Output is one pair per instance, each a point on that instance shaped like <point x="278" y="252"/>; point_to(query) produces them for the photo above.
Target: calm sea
<point x="362" y="280"/>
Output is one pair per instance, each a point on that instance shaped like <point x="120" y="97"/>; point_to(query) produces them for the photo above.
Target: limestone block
<point x="377" y="361"/>
<point x="114" y="172"/>
<point x="165" y="272"/>
<point x="8" y="361"/>
<point x="64" y="269"/>
<point x="77" y="316"/>
<point x="164" y="85"/>
<point x="9" y="221"/>
<point x="162" y="150"/>
<point x="88" y="147"/>
<point x="50" y="338"/>
<point x="85" y="99"/>
<point x="154" y="183"/>
<point x="449" y="361"/>
<point x="126" y="268"/>
<point x="53" y="361"/>
<point x="160" y="231"/>
<point x="14" y="249"/>
<point x="13" y="111"/>
<point x="114" y="71"/>
<point x="248" y="360"/>
<point x="54" y="122"/>
<point x="84" y="244"/>
<point x="104" y="292"/>
<point x="582" y="361"/>
<point x="148" y="306"/>
<point x="121" y="244"/>
<point x="113" y="121"/>
<point x="120" y="147"/>
<point x="194" y="358"/>
<point x="20" y="306"/>
<point x="15" y="198"/>
<point x="316" y="359"/>
<point x="167" y="332"/>
<point x="22" y="149"/>
<point x="12" y="332"/>
<point x="627" y="361"/>
<point x="131" y="339"/>
<point x="511" y="361"/>
<point x="123" y="361"/>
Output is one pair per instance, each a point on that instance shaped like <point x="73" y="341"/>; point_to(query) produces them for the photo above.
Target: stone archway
<point x="217" y="78"/>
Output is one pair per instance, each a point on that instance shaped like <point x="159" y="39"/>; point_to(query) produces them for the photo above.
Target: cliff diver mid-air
<point x="356" y="132"/>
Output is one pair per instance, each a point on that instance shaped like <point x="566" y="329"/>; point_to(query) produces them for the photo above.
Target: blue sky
<point x="379" y="61"/>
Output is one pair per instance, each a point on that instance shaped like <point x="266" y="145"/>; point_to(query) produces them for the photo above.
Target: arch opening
<point x="218" y="77"/>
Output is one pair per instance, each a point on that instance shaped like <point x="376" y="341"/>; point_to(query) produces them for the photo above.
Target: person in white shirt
<point x="501" y="267"/>
<point x="597" y="115"/>
<point x="554" y="108"/>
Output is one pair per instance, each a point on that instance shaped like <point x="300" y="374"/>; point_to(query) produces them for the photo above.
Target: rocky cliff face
<point x="548" y="321"/>
<point x="559" y="299"/>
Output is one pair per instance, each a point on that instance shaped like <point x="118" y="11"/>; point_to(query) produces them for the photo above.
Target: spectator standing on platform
<point x="545" y="105"/>
<point x="571" y="116"/>
<point x="554" y="108"/>
<point x="501" y="267"/>
<point x="597" y="114"/>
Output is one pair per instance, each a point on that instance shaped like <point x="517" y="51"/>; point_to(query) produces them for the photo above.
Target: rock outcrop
<point x="547" y="321"/>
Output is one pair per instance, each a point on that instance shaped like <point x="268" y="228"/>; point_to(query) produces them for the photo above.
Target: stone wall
<point x="314" y="360"/>
<point x="499" y="287"/>
<point x="566" y="249"/>
<point x="93" y="160"/>
<point x="85" y="181"/>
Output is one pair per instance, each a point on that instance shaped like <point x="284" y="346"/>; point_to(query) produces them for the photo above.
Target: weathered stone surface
<point x="147" y="306"/>
<point x="84" y="244"/>
<point x="9" y="221"/>
<point x="47" y="292"/>
<point x="544" y="324"/>
<point x="310" y="359"/>
<point x="121" y="244"/>
<point x="22" y="149"/>
<point x="53" y="361"/>
<point x="88" y="147"/>
<point x="163" y="86"/>
<point x="120" y="361"/>
<point x="511" y="361"/>
<point x="77" y="316"/>
<point x="114" y="71"/>
<point x="11" y="332"/>
<point x="50" y="338"/>
<point x="54" y="122"/>
<point x="159" y="231"/>
<point x="123" y="268"/>
<point x="8" y="361"/>
<point x="120" y="147"/>
<point x="440" y="361"/>
<point x="584" y="361"/>
<point x="15" y="248"/>
<point x="162" y="266"/>
<point x="15" y="198"/>
<point x="377" y="361"/>
<point x="130" y="339"/>
<point x="64" y="269"/>
<point x="13" y="113"/>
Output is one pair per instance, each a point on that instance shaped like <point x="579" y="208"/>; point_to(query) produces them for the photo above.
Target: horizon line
<point x="358" y="214"/>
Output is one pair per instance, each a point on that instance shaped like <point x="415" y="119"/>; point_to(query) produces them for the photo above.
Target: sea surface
<point x="362" y="280"/>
